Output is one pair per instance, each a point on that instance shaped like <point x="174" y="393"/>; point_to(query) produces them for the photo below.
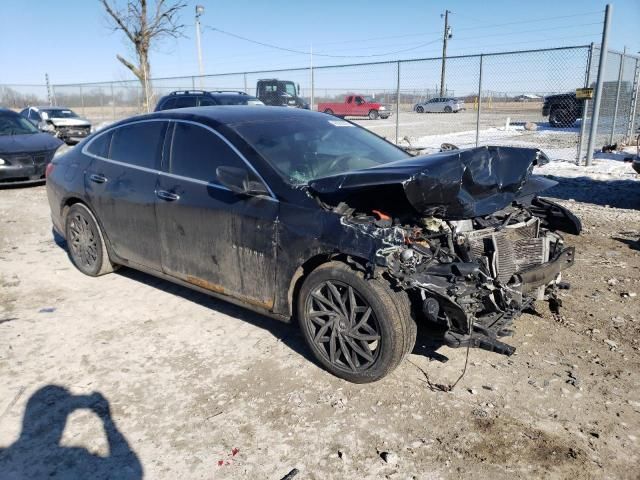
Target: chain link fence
<point x="495" y="98"/>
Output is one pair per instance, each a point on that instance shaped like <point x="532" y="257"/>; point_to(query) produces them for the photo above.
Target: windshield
<point x="289" y="88"/>
<point x="306" y="148"/>
<point x="15" y="125"/>
<point x="58" y="113"/>
<point x="369" y="99"/>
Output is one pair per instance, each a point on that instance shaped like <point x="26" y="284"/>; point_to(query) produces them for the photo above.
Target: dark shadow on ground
<point x="25" y="185"/>
<point x="37" y="454"/>
<point x="632" y="244"/>
<point x="614" y="193"/>
<point x="287" y="333"/>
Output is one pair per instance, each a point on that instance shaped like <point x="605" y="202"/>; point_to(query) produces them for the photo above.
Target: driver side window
<point x="197" y="152"/>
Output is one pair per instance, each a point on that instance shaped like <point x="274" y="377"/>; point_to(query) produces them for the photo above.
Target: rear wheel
<point x="358" y="329"/>
<point x="448" y="109"/>
<point x="85" y="242"/>
<point x="420" y="109"/>
<point x="373" y="115"/>
<point x="328" y="111"/>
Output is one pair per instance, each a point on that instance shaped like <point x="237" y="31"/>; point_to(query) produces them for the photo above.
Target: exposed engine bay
<point x="475" y="254"/>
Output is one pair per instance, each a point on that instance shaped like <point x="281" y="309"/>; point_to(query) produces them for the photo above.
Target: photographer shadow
<point x="38" y="454"/>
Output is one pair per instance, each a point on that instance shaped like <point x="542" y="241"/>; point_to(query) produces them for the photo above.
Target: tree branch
<point x="135" y="70"/>
<point x="119" y="21"/>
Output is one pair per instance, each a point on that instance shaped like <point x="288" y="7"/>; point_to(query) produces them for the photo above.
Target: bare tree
<point x="145" y="30"/>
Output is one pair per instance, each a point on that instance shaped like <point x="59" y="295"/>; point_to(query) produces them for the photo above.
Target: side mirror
<point x="238" y="181"/>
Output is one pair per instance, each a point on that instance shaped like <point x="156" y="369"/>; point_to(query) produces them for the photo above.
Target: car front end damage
<point x="463" y="232"/>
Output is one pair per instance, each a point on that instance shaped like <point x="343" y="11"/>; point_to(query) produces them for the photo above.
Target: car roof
<point x="49" y="107"/>
<point x="229" y="114"/>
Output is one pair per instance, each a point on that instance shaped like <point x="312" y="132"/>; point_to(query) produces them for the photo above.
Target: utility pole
<point x="199" y="12"/>
<point x="445" y="37"/>
<point x="49" y="96"/>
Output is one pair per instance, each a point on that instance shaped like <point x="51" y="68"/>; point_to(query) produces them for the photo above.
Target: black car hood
<point x="33" y="142"/>
<point x="456" y="184"/>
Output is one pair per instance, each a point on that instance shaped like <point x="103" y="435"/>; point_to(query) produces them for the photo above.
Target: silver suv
<point x="440" y="104"/>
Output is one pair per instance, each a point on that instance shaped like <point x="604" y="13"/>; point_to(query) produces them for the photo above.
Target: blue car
<point x="25" y="152"/>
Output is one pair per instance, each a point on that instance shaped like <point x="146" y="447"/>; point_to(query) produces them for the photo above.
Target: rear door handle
<point x="168" y="196"/>
<point x="97" y="178"/>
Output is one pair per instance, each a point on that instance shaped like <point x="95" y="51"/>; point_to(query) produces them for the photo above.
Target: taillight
<point x="48" y="170"/>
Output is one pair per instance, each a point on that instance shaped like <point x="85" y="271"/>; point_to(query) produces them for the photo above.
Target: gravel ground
<point x="126" y="375"/>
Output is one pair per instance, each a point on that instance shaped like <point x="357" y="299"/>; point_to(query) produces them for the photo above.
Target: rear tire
<point x="328" y="111"/>
<point x="85" y="242"/>
<point x="373" y="115"/>
<point x="358" y="329"/>
<point x="420" y="109"/>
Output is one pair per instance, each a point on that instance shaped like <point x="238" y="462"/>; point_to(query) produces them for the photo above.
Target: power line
<point x="277" y="47"/>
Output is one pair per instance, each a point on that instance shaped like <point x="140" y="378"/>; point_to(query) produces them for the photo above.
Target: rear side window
<point x="138" y="144"/>
<point x="169" y="104"/>
<point x="196" y="153"/>
<point x="184" y="102"/>
<point x="100" y="146"/>
<point x="207" y="102"/>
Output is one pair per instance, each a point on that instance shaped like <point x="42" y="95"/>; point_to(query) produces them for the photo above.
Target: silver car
<point x="62" y="122"/>
<point x="439" y="105"/>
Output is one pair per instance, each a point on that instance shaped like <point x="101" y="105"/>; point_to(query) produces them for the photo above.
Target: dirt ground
<point x="192" y="387"/>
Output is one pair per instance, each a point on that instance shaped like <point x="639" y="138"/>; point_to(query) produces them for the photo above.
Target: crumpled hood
<point x="70" y="122"/>
<point x="34" y="142"/>
<point x="456" y="184"/>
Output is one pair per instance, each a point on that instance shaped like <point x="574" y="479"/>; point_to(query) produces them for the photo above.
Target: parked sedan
<point x="24" y="150"/>
<point x="440" y="105"/>
<point x="63" y="122"/>
<point x="295" y="213"/>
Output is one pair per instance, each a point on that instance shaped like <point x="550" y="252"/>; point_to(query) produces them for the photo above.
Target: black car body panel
<point x="25" y="156"/>
<point x="480" y="242"/>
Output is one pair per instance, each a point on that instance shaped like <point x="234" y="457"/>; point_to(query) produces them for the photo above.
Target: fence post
<point x="245" y="81"/>
<point x="82" y="101"/>
<point x="585" y="106"/>
<point x="604" y="45"/>
<point x="479" y="102"/>
<point x="635" y="97"/>
<point x="615" y="108"/>
<point x="398" y="103"/>
<point x="113" y="104"/>
<point x="193" y="82"/>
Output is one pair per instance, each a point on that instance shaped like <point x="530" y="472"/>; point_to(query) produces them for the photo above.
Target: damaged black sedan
<point x="297" y="214"/>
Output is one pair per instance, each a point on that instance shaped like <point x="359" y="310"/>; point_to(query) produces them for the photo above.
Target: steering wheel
<point x="336" y="161"/>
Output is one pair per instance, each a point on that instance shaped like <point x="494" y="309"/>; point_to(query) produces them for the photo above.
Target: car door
<point x="431" y="105"/>
<point x="121" y="182"/>
<point x="210" y="236"/>
<point x="360" y="107"/>
<point x="349" y="106"/>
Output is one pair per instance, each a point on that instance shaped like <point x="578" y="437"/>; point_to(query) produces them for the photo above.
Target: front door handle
<point x="168" y="196"/>
<point x="94" y="177"/>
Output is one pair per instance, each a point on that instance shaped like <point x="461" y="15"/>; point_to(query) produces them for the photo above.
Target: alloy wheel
<point x="84" y="241"/>
<point x="343" y="326"/>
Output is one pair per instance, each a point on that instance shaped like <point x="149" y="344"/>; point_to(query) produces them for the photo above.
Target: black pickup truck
<point x="563" y="109"/>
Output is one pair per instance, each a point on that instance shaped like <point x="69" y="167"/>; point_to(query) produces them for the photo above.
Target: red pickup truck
<point x="356" y="106"/>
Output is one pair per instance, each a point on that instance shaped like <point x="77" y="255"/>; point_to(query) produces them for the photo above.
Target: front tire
<point x="373" y="115"/>
<point x="358" y="329"/>
<point x="85" y="242"/>
<point x="448" y="109"/>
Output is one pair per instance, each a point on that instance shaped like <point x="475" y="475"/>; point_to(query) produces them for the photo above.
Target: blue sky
<point x="71" y="41"/>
